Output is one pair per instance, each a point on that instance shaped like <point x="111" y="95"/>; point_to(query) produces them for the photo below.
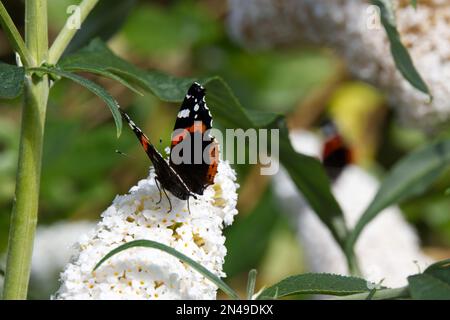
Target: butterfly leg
<point x="189" y="208"/>
<point x="159" y="188"/>
<point x="168" y="199"/>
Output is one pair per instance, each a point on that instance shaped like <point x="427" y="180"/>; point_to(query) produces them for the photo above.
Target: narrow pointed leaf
<point x="315" y="283"/>
<point x="401" y="56"/>
<point x="195" y="265"/>
<point x="91" y="86"/>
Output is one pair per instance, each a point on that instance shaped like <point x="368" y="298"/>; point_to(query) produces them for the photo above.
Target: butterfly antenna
<point x="137" y="131"/>
<point x="122" y="153"/>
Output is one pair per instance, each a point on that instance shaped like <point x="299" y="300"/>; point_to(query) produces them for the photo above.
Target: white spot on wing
<point x="196" y="107"/>
<point x="184" y="113"/>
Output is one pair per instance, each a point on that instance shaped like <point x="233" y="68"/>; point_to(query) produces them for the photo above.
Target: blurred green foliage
<point x="82" y="172"/>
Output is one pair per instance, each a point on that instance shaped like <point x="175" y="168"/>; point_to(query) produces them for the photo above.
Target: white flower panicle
<point x="352" y="29"/>
<point x="146" y="273"/>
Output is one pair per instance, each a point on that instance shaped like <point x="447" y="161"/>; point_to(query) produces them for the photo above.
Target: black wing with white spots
<point x="192" y="126"/>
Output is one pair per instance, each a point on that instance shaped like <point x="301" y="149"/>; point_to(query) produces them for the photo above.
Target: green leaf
<point x="248" y="239"/>
<point x="414" y="3"/>
<point x="156" y="245"/>
<point x="438" y="265"/>
<point x="310" y="178"/>
<point x="103" y="22"/>
<point x="433" y="284"/>
<point x="12" y="79"/>
<point x="401" y="56"/>
<point x="225" y="106"/>
<point x="91" y="86"/>
<point x="97" y="58"/>
<point x="315" y="283"/>
<point x="409" y="177"/>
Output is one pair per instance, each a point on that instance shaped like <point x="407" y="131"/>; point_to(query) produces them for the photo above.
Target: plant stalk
<point x="25" y="207"/>
<point x="68" y="32"/>
<point x="353" y="265"/>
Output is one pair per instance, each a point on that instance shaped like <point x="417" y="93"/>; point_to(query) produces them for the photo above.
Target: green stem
<point x="353" y="265"/>
<point x="68" y="32"/>
<point x="25" y="208"/>
<point x="383" y="294"/>
<point x="14" y="37"/>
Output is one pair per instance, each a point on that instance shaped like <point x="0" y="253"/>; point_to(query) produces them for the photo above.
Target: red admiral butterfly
<point x="335" y="154"/>
<point x="191" y="177"/>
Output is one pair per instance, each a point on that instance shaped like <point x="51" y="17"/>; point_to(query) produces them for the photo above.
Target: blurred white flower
<point x="352" y="29"/>
<point x="53" y="247"/>
<point x="144" y="273"/>
<point x="388" y="248"/>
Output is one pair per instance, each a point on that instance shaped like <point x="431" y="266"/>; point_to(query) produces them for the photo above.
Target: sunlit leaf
<point x="315" y="283"/>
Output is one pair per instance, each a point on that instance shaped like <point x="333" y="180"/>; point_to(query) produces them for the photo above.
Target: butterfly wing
<point x="168" y="178"/>
<point x="194" y="153"/>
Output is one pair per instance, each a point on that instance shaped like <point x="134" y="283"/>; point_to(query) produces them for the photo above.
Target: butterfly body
<point x="191" y="138"/>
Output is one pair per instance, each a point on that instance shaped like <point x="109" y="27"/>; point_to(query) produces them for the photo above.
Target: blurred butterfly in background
<point x="336" y="155"/>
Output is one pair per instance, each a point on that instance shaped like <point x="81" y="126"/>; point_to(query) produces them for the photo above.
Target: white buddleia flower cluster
<point x="352" y="29"/>
<point x="147" y="273"/>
